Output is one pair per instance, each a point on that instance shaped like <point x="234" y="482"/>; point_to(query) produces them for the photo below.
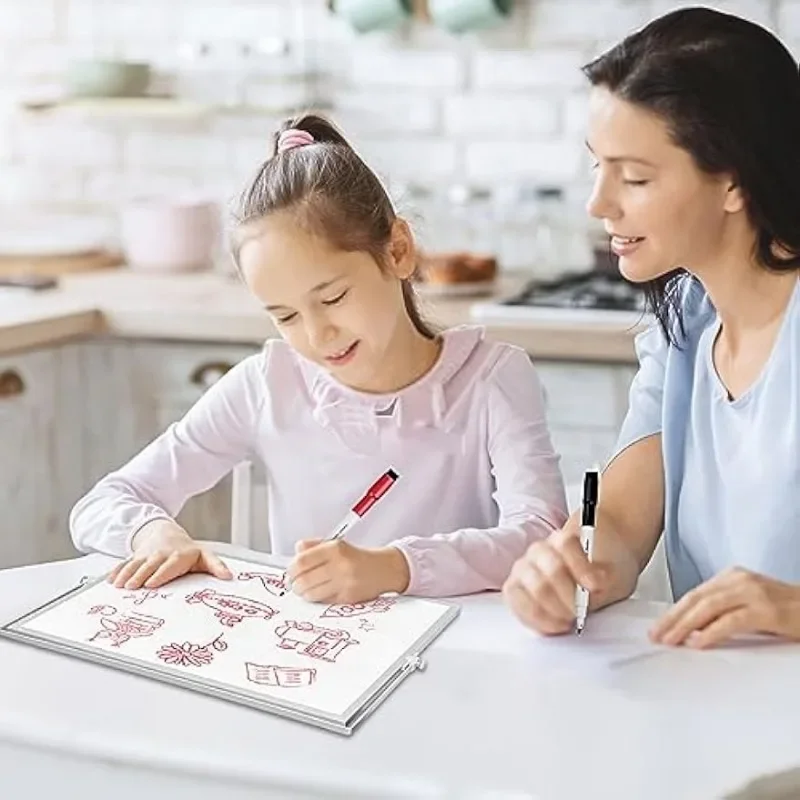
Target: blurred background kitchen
<point x="127" y="127"/>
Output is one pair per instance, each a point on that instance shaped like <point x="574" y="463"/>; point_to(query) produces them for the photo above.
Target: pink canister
<point x="170" y="234"/>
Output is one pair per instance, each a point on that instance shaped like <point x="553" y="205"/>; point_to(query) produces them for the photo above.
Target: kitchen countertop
<point x="216" y="308"/>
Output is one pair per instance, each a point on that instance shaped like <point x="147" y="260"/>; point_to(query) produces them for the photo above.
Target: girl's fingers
<point x="215" y="566"/>
<point x="172" y="567"/>
<point x="321" y="593"/>
<point x="114" y="572"/>
<point x="126" y="570"/>
<point x="309" y="581"/>
<point x="145" y="570"/>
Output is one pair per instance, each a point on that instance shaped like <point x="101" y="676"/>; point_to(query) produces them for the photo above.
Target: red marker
<point x="371" y="496"/>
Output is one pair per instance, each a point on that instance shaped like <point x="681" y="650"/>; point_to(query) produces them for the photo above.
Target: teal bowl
<point x="99" y="78"/>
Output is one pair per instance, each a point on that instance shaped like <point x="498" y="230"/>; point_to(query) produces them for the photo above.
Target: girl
<point x="357" y="383"/>
<point x="695" y="130"/>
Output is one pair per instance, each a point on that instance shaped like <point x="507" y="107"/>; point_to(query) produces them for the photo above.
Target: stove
<point x="598" y="296"/>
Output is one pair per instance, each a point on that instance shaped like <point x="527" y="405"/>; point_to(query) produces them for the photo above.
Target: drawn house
<point x="312" y="640"/>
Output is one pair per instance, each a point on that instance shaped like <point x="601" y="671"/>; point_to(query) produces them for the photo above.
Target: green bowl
<point x="97" y="78"/>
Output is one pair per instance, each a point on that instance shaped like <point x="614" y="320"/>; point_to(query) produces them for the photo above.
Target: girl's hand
<point x="732" y="603"/>
<point x="338" y="572"/>
<point x="541" y="587"/>
<point x="163" y="551"/>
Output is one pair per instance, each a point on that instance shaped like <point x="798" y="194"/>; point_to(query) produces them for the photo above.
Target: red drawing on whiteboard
<point x="231" y="609"/>
<point x="377" y="606"/>
<point x="127" y="626"/>
<point x="105" y="610"/>
<point x="272" y="583"/>
<point x="273" y="675"/>
<point x="189" y="654"/>
<point x="313" y="640"/>
<point x="139" y="596"/>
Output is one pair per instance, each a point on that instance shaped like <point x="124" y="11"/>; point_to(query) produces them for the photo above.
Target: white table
<point x="480" y="722"/>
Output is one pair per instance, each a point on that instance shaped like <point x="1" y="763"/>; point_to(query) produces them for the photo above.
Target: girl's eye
<point x="334" y="300"/>
<point x="285" y="319"/>
<point x="635" y="183"/>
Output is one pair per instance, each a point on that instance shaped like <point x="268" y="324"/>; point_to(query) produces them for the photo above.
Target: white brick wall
<point x="498" y="108"/>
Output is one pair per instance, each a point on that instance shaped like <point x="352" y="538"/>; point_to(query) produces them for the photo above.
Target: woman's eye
<point x="285" y="319"/>
<point x="334" y="300"/>
<point x="635" y="183"/>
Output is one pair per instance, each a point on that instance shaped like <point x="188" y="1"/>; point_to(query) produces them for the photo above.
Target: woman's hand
<point x="735" y="602"/>
<point x="541" y="587"/>
<point x="163" y="551"/>
<point x="338" y="572"/>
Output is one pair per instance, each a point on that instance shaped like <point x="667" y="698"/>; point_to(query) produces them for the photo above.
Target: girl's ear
<point x="402" y="250"/>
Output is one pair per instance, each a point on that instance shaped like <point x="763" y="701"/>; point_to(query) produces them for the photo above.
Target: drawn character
<point x="365" y="625"/>
<point x="313" y="640"/>
<point x="127" y="626"/>
<point x="231" y="609"/>
<point x="377" y="606"/>
<point x="272" y="583"/>
<point x="189" y="654"/>
<point x="273" y="675"/>
<point x="139" y="596"/>
<point x="105" y="610"/>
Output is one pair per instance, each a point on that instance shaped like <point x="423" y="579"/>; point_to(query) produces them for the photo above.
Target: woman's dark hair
<point x="729" y="92"/>
<point x="333" y="194"/>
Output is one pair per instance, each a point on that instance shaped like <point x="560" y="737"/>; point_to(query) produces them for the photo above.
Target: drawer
<point x="580" y="394"/>
<point x="582" y="448"/>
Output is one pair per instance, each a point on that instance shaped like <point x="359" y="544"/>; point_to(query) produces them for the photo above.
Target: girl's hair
<point x="729" y="92"/>
<point x="332" y="193"/>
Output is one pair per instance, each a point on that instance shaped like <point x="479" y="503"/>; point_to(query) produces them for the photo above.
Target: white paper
<point x="609" y="640"/>
<point x="242" y="633"/>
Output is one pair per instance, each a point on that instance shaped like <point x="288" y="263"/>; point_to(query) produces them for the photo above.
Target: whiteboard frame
<point x="344" y="723"/>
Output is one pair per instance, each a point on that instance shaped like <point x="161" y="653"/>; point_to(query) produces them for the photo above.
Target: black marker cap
<point x="591" y="490"/>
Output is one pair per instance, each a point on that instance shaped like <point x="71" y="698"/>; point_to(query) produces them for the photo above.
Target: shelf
<point x="154" y="108"/>
<point x="151" y="107"/>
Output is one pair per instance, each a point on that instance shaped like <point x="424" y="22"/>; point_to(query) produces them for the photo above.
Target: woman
<point x="694" y="127"/>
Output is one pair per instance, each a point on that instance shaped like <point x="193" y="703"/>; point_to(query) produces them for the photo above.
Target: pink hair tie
<point x="294" y="137"/>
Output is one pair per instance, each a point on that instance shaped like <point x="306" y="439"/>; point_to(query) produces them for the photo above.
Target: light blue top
<point x="732" y="468"/>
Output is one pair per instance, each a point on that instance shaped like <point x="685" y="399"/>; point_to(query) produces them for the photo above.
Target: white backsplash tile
<point x="495" y="108"/>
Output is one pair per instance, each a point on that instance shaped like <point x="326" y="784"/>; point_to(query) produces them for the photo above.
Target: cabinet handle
<point x="11" y="384"/>
<point x="209" y="373"/>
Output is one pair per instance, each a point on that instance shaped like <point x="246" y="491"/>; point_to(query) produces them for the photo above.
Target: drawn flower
<point x="186" y="654"/>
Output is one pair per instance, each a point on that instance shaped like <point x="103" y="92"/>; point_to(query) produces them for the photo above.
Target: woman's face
<point x="660" y="209"/>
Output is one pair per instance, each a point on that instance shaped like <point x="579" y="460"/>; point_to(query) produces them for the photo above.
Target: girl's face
<point x="660" y="209"/>
<point x="336" y="308"/>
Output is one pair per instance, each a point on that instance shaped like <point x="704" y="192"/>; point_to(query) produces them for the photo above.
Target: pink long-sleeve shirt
<point x="479" y="480"/>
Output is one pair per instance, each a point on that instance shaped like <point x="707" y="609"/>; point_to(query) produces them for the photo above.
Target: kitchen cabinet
<point x="146" y="386"/>
<point x="41" y="456"/>
<point x="586" y="404"/>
